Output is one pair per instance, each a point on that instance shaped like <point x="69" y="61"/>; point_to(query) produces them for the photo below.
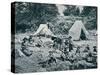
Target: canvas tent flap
<point x="75" y="30"/>
<point x="43" y="29"/>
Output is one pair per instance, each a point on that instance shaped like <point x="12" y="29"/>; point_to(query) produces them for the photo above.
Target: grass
<point x="30" y="64"/>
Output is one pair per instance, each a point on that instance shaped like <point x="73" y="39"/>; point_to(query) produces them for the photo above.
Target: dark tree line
<point x="88" y="13"/>
<point x="28" y="16"/>
<point x="31" y="15"/>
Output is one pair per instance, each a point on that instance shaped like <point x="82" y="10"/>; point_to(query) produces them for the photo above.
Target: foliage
<point x="31" y="15"/>
<point x="28" y="17"/>
<point x="91" y="15"/>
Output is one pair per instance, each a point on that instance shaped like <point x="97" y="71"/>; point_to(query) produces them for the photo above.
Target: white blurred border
<point x="5" y="36"/>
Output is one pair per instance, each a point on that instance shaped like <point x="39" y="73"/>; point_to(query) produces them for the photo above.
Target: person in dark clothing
<point x="38" y="45"/>
<point x="70" y="47"/>
<point x="31" y="40"/>
<point x="62" y="56"/>
<point x="65" y="47"/>
<point x="24" y="44"/>
<point x="48" y="24"/>
<point x="24" y="47"/>
<point x="78" y="49"/>
<point x="57" y="42"/>
<point x="51" y="58"/>
<point x="70" y="43"/>
<point x="87" y="48"/>
<point x="78" y="54"/>
<point x="94" y="48"/>
<point x="66" y="42"/>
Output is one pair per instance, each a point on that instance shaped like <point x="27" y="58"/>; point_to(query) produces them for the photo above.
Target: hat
<point x="25" y="39"/>
<point x="69" y="37"/>
<point x="94" y="47"/>
<point x="78" y="47"/>
<point x="50" y="51"/>
<point x="31" y="35"/>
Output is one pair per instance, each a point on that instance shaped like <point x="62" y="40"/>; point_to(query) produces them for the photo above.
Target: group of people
<point x="62" y="44"/>
<point x="57" y="44"/>
<point x="26" y="43"/>
<point x="66" y="47"/>
<point x="72" y="53"/>
<point x="75" y="58"/>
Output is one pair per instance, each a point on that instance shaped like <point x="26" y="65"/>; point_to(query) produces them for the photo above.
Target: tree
<point x="32" y="14"/>
<point x="91" y="15"/>
<point x="71" y="10"/>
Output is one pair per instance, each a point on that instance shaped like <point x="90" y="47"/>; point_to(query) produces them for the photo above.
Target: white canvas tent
<point x="77" y="30"/>
<point x="43" y="30"/>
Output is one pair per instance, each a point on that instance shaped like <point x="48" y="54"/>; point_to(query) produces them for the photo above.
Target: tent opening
<point x="82" y="35"/>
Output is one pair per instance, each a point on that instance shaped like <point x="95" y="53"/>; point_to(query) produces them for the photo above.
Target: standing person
<point x="48" y="24"/>
<point x="94" y="55"/>
<point x="65" y="44"/>
<point x="55" y="43"/>
<point x="65" y="47"/>
<point x="70" y="43"/>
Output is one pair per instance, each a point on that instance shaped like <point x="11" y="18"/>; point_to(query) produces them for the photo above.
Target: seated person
<point x="72" y="58"/>
<point x="77" y="54"/>
<point x="94" y="48"/>
<point x="89" y="57"/>
<point x="31" y="40"/>
<point x="24" y="47"/>
<point x="64" y="44"/>
<point x="87" y="48"/>
<point x="66" y="51"/>
<point x="94" y="51"/>
<point x="78" y="50"/>
<point x="38" y="45"/>
<point x="57" y="42"/>
<point x="24" y="43"/>
<point x="62" y="56"/>
<point x="51" y="58"/>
